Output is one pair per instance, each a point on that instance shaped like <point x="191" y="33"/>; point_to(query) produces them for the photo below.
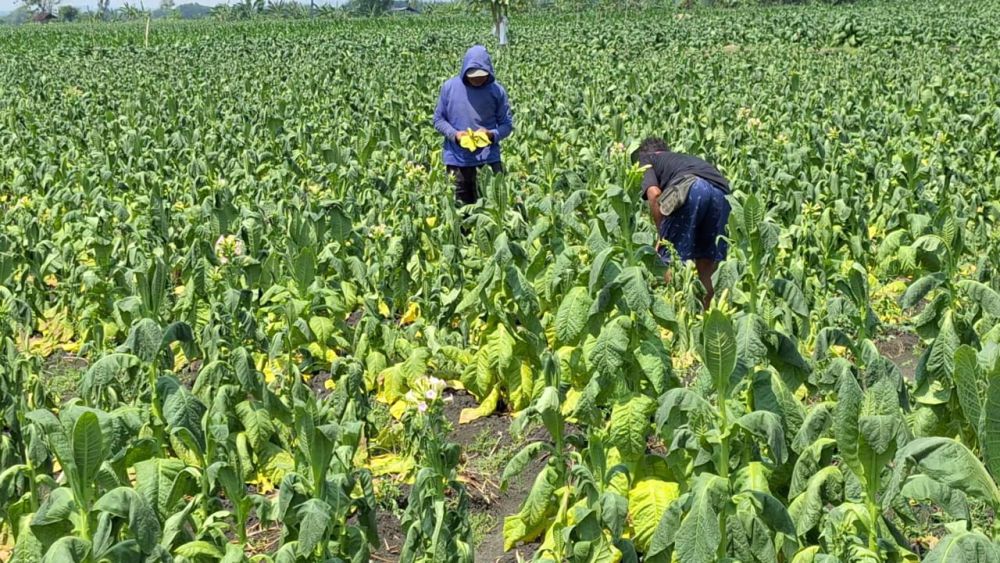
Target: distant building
<point x="43" y="17"/>
<point x="402" y="8"/>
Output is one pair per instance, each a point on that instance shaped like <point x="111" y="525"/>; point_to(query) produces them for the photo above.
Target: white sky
<point x="10" y="5"/>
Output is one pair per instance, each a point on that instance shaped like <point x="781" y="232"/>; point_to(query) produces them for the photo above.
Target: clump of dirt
<point x="903" y="348"/>
<point x="262" y="537"/>
<point x="390" y="536"/>
<point x="62" y="372"/>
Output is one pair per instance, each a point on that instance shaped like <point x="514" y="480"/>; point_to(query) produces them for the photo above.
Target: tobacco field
<point x="241" y="318"/>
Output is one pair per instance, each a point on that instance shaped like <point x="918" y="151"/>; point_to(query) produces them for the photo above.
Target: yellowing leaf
<point x="398" y="409"/>
<point x="271" y="371"/>
<point x="485" y="408"/>
<point x="569" y="404"/>
<point x="390" y="464"/>
<point x="647" y="501"/>
<point x="264" y="485"/>
<point x="411" y="315"/>
<point x="431" y="222"/>
<point x="532" y="520"/>
<point x="481" y="139"/>
<point x="383" y="309"/>
<point x="467" y="142"/>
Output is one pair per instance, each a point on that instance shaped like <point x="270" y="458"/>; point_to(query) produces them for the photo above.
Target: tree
<point x="38" y="6"/>
<point x="167" y="10"/>
<point x="499" y="9"/>
<point x="69" y="13"/>
<point x="128" y="12"/>
<point x="103" y="8"/>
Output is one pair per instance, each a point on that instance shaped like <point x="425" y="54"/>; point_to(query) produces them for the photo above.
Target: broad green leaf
<point x="773" y="513"/>
<point x="941" y="355"/>
<point x="679" y="406"/>
<point x="635" y="290"/>
<point x="964" y="547"/>
<point x="614" y="512"/>
<point x="920" y="288"/>
<point x="532" y="519"/>
<point x="127" y="504"/>
<point x="88" y="450"/>
<point x="257" y="423"/>
<point x="771" y="394"/>
<point x="792" y="295"/>
<point x="698" y="536"/>
<point x="154" y="480"/>
<point x="145" y="339"/>
<point x="501" y="347"/>
<point x="846" y="417"/>
<point x="811" y="459"/>
<point x="183" y="410"/>
<point x="571" y="318"/>
<point x="654" y="361"/>
<point x="611" y="348"/>
<point x="989" y="426"/>
<point x="246" y="373"/>
<point x="519" y="462"/>
<point x="106" y="371"/>
<point x="751" y="348"/>
<point x="322" y="329"/>
<point x="806" y="509"/>
<point x="629" y="425"/>
<point x="947" y="462"/>
<point x="752" y="477"/>
<point x="315" y="517"/>
<point x="970" y="384"/>
<point x="199" y="549"/>
<point x="719" y="349"/>
<point x="766" y="427"/>
<point x="984" y="296"/>
<point x="56" y="508"/>
<point x="68" y="550"/>
<point x="925" y="489"/>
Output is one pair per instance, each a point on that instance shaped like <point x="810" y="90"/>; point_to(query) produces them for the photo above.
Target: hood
<point x="478" y="58"/>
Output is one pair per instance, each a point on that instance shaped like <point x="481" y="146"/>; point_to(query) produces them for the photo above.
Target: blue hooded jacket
<point x="461" y="107"/>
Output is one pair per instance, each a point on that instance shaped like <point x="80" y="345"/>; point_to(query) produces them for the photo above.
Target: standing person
<point x="472" y="100"/>
<point x="687" y="199"/>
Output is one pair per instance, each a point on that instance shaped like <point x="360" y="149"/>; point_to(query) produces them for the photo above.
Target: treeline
<point x="239" y="10"/>
<point x="249" y="9"/>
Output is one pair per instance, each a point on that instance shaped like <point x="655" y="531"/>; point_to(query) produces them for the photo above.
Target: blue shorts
<point x="696" y="227"/>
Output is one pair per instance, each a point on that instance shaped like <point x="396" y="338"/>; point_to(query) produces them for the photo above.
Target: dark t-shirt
<point x="666" y="167"/>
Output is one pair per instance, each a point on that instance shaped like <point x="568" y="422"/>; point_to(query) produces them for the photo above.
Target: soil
<point x="903" y="348"/>
<point x="484" y="490"/>
<point x="61" y="372"/>
<point x="390" y="533"/>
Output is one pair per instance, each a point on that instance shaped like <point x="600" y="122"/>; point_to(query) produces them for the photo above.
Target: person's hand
<point x="486" y="131"/>
<point x="459" y="135"/>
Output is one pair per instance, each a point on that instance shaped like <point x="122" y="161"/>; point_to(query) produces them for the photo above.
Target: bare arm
<point x="652" y="193"/>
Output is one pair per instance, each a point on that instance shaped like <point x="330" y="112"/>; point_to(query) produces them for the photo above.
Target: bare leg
<point x="706" y="267"/>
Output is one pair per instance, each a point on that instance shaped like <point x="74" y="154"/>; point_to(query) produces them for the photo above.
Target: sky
<point x="10" y="5"/>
